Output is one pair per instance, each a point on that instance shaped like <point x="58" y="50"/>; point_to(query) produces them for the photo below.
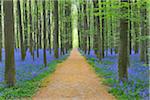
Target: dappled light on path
<point x="73" y="79"/>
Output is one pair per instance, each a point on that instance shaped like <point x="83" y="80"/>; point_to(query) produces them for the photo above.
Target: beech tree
<point x="44" y="33"/>
<point x="56" y="30"/>
<point x="123" y="47"/>
<point x="21" y="32"/>
<point x="9" y="43"/>
<point x="97" y="36"/>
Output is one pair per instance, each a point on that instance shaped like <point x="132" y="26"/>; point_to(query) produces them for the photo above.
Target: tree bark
<point x="31" y="30"/>
<point x="23" y="55"/>
<point x="97" y="35"/>
<point x="44" y="33"/>
<point x="9" y="43"/>
<point x="103" y="29"/>
<point x="123" y="51"/>
<point x="56" y="30"/>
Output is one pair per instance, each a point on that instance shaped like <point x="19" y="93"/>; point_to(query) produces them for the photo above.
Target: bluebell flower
<point x="138" y="75"/>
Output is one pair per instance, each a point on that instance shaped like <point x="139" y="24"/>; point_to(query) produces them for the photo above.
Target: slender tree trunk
<point x="21" y="32"/>
<point x="25" y="27"/>
<point x="97" y="35"/>
<point x="103" y="29"/>
<point x="144" y="33"/>
<point x="111" y="31"/>
<point x="37" y="28"/>
<point x="89" y="45"/>
<point x="31" y="36"/>
<point x="142" y="44"/>
<point x="123" y="51"/>
<point x="85" y="26"/>
<point x="9" y="44"/>
<point x="79" y="25"/>
<point x="49" y="27"/>
<point x="56" y="30"/>
<point x="61" y="29"/>
<point x="130" y="27"/>
<point x="40" y="31"/>
<point x="44" y="33"/>
<point x="137" y="28"/>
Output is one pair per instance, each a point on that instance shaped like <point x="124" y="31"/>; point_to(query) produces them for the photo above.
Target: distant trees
<point x="9" y="43"/>
<point x="102" y="26"/>
<point x="144" y="32"/>
<point x="35" y="24"/>
<point x="119" y="27"/>
<point x="28" y="26"/>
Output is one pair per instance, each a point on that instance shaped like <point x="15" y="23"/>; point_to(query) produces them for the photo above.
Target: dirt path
<point x="73" y="80"/>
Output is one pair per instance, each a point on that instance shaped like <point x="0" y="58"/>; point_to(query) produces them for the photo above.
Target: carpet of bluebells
<point x="28" y="69"/>
<point x="137" y="86"/>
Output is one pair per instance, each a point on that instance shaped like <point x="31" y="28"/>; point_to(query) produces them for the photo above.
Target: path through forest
<point x="73" y="79"/>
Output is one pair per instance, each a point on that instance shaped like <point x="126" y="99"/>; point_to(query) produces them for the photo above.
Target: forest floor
<point x="74" y="79"/>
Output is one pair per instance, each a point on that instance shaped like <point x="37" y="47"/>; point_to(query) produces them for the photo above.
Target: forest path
<point x="73" y="79"/>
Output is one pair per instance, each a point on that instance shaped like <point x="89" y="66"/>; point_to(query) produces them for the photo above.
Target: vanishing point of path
<point x="73" y="79"/>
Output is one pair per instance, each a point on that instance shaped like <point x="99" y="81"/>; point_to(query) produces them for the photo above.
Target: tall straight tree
<point x="31" y="30"/>
<point x="130" y="26"/>
<point x="49" y="26"/>
<point x="9" y="43"/>
<point x="79" y="25"/>
<point x="25" y="27"/>
<point x="123" y="51"/>
<point x="103" y="28"/>
<point x="142" y="43"/>
<point x="44" y="33"/>
<point x="61" y="28"/>
<point x="37" y="28"/>
<point x="97" y="37"/>
<point x="56" y="30"/>
<point x="85" y="27"/>
<point x="144" y="33"/>
<point x="0" y="31"/>
<point x="21" y="32"/>
<point x="136" y="27"/>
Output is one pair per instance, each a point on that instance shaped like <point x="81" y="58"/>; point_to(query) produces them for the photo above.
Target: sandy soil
<point x="73" y="79"/>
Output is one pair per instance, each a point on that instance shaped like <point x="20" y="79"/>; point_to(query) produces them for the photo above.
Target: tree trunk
<point x="31" y="36"/>
<point x="130" y="27"/>
<point x="103" y="29"/>
<point x="9" y="43"/>
<point x="97" y="35"/>
<point x="49" y="27"/>
<point x="23" y="55"/>
<point x="123" y="51"/>
<point x="89" y="45"/>
<point x="85" y="26"/>
<point x="25" y="27"/>
<point x="137" y="28"/>
<point x="56" y="30"/>
<point x="44" y="33"/>
<point x="37" y="29"/>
